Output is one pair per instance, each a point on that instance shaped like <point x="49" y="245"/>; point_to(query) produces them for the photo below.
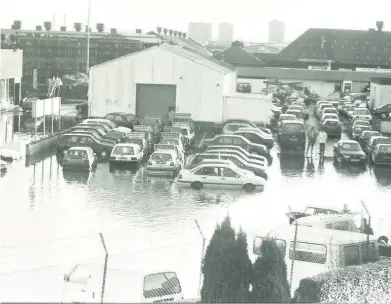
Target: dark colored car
<point x="382" y="155"/>
<point x="104" y="127"/>
<point x="256" y="137"/>
<point x="66" y="141"/>
<point x="349" y="151"/>
<point x="96" y="135"/>
<point x="236" y="140"/>
<point x="82" y="111"/>
<point x="99" y="132"/>
<point x="123" y="119"/>
<point x="198" y="158"/>
<point x="382" y="111"/>
<point x="332" y="127"/>
<point x="292" y="135"/>
<point x="374" y="141"/>
<point x="366" y="136"/>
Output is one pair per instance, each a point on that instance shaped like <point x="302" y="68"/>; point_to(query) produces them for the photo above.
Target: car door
<point x="229" y="178"/>
<point x="209" y="176"/>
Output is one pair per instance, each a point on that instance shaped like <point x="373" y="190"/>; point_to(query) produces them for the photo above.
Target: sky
<point x="249" y="17"/>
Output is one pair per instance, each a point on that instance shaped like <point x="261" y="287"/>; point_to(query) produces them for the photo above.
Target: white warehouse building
<point x="149" y="81"/>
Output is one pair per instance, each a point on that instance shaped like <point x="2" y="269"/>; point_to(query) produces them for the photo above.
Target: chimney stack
<point x="379" y="25"/>
<point x="165" y="31"/>
<point x="113" y="31"/>
<point x="159" y="29"/>
<point x="100" y="27"/>
<point x="138" y="31"/>
<point x="63" y="28"/>
<point x="47" y="25"/>
<point x="184" y="35"/>
<point x="17" y="25"/>
<point x="77" y="26"/>
<point x="170" y="31"/>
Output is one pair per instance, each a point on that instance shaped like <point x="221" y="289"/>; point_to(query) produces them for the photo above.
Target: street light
<point x="88" y="37"/>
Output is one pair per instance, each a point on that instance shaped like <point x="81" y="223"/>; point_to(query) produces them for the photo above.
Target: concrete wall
<point x="41" y="146"/>
<point x="11" y="64"/>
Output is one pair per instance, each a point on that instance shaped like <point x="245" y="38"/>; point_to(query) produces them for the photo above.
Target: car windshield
<point x="123" y="150"/>
<point x="361" y="112"/>
<point x="362" y="123"/>
<point x="331" y="122"/>
<point x="161" y="157"/>
<point x="385" y="149"/>
<point x="77" y="154"/>
<point x="367" y="135"/>
<point x="137" y="141"/>
<point x="350" y="147"/>
<point x="291" y="127"/>
<point x="129" y="117"/>
<point x="169" y="141"/>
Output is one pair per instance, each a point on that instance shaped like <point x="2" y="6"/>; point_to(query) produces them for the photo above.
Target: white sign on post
<point x="42" y="107"/>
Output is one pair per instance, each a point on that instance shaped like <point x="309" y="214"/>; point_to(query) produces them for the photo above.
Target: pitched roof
<point x="184" y="52"/>
<point x="343" y="46"/>
<point x="237" y="56"/>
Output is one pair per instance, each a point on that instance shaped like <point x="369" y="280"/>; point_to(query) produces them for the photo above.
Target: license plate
<point x="294" y="139"/>
<point x="355" y="160"/>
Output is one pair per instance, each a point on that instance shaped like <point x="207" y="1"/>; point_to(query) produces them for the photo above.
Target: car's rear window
<point x="290" y="127"/>
<point x="367" y="135"/>
<point x="77" y="154"/>
<point x="123" y="150"/>
<point x="331" y="122"/>
<point x="351" y="147"/>
<point x="361" y="112"/>
<point x="382" y="141"/>
<point x="385" y="149"/>
<point x="361" y="128"/>
<point x="163" y="157"/>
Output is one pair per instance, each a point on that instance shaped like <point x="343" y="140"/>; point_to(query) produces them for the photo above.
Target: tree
<point x="226" y="266"/>
<point x="269" y="281"/>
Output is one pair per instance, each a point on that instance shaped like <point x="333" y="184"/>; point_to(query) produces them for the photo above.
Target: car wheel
<point x="384" y="115"/>
<point x="383" y="240"/>
<point x="197" y="185"/>
<point x="249" y="187"/>
<point x="104" y="154"/>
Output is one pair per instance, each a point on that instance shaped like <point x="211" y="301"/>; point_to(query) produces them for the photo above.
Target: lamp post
<point x="88" y="37"/>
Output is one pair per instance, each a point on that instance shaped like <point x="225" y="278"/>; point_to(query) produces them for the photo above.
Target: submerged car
<point x="383" y="111"/>
<point x="239" y="151"/>
<point x="332" y="127"/>
<point x="256" y="136"/>
<point x="382" y="155"/>
<point x="80" y="158"/>
<point x="292" y="135"/>
<point x="374" y="141"/>
<point x="309" y="211"/>
<point x="357" y="131"/>
<point x="127" y="153"/>
<point x="349" y="151"/>
<point x="164" y="161"/>
<point x="366" y="136"/>
<point x="218" y="175"/>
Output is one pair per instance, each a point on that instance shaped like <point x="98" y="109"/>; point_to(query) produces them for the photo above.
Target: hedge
<point x="368" y="283"/>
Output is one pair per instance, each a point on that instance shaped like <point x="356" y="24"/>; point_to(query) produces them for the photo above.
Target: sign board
<point x="136" y="134"/>
<point x="182" y="125"/>
<point x="182" y="115"/>
<point x="43" y="107"/>
<point x="164" y="147"/>
<point x="172" y="129"/>
<point x="147" y="121"/>
<point x="145" y="128"/>
<point x="315" y="67"/>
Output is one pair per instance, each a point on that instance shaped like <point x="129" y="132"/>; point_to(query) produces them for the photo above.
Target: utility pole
<point x="88" y="37"/>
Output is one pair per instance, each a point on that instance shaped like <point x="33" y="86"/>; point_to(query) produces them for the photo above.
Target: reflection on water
<point x="40" y="203"/>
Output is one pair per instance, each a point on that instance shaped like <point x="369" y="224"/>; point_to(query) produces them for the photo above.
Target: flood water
<point x="50" y="220"/>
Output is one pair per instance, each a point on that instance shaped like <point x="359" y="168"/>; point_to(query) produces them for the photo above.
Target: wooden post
<point x="44" y="119"/>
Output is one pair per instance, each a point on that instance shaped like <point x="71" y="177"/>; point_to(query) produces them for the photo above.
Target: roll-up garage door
<point x="154" y="99"/>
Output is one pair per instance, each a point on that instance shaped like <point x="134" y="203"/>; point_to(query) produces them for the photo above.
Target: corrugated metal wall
<point x="199" y="88"/>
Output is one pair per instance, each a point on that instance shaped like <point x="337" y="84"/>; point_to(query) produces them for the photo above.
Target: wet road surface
<point x="49" y="220"/>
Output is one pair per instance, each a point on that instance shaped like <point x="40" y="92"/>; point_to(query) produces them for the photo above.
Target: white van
<point x="83" y="284"/>
<point x="318" y="250"/>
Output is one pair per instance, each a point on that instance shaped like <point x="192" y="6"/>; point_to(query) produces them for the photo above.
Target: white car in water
<point x="220" y="174"/>
<point x="361" y="114"/>
<point x="177" y="143"/>
<point x="164" y="161"/>
<point x="126" y="153"/>
<point x="107" y="122"/>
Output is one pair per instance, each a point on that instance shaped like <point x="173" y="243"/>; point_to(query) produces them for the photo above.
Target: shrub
<point x="269" y="280"/>
<point x="226" y="266"/>
<point x="368" y="283"/>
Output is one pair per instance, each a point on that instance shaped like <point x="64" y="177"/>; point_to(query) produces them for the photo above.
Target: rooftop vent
<point x="159" y="29"/>
<point x="165" y="31"/>
<point x="113" y="31"/>
<point x="379" y="25"/>
<point x="86" y="29"/>
<point x="100" y="27"/>
<point x="38" y="28"/>
<point x="47" y="25"/>
<point x="17" y="25"/>
<point x="138" y="31"/>
<point x="170" y="31"/>
<point x="63" y="28"/>
<point x="175" y="33"/>
<point x="77" y="26"/>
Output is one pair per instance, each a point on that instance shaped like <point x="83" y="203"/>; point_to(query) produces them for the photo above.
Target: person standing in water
<point x="311" y="139"/>
<point x="171" y="115"/>
<point x="322" y="142"/>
